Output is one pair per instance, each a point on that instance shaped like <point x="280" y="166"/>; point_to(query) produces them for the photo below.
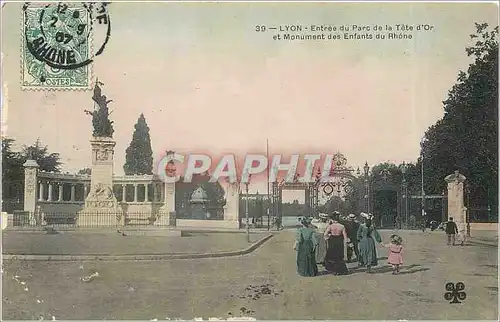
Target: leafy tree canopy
<point x="47" y="161"/>
<point x="12" y="165"/>
<point x="466" y="138"/>
<point x="87" y="171"/>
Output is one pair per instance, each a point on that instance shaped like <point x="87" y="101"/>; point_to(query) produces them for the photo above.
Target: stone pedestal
<point x="232" y="207"/>
<point x="166" y="214"/>
<point x="101" y="207"/>
<point x="30" y="185"/>
<point x="5" y="220"/>
<point x="456" y="208"/>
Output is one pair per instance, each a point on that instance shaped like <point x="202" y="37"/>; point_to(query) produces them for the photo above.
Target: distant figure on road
<point x="305" y="245"/>
<point x="451" y="229"/>
<point x="335" y="236"/>
<point x="277" y="223"/>
<point x="367" y="235"/>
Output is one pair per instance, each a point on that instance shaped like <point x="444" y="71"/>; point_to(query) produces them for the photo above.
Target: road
<point x="264" y="284"/>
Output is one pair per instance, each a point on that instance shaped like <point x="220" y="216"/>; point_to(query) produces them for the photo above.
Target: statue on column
<point x="103" y="126"/>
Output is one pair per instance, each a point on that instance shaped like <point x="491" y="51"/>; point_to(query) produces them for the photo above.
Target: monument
<point x="456" y="208"/>
<point x="101" y="206"/>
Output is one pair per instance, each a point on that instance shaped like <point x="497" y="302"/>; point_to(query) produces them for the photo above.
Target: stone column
<point x="170" y="196"/>
<point x="40" y="198"/>
<point x="155" y="192"/>
<point x="85" y="190"/>
<point x="61" y="190"/>
<point x="146" y="192"/>
<point x="124" y="192"/>
<point x="30" y="185"/>
<point x="167" y="215"/>
<point x="73" y="192"/>
<point x="232" y="207"/>
<point x="101" y="207"/>
<point x="51" y="191"/>
<point x="456" y="207"/>
<point x="160" y="192"/>
<point x="135" y="192"/>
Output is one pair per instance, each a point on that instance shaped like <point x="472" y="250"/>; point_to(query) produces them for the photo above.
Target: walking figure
<point x="451" y="230"/>
<point x="395" y="257"/>
<point x="335" y="236"/>
<point x="351" y="227"/>
<point x="305" y="246"/>
<point x="367" y="235"/>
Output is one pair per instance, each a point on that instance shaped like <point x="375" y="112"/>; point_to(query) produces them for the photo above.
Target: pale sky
<point x="206" y="81"/>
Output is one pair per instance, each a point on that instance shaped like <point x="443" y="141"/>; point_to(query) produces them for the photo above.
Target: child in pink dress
<point x="395" y="257"/>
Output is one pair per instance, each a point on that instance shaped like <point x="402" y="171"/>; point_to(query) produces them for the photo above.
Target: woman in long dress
<point x="305" y="245"/>
<point x="336" y="236"/>
<point x="320" y="231"/>
<point x="367" y="235"/>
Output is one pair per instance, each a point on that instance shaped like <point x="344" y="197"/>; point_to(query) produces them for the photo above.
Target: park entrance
<point x="310" y="199"/>
<point x="345" y="193"/>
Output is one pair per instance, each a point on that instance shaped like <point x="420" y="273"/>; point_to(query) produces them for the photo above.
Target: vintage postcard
<point x="249" y="160"/>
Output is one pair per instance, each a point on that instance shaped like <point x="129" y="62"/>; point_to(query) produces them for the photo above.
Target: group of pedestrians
<point x="327" y="241"/>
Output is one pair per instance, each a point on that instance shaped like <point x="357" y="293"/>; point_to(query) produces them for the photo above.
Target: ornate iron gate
<point x="311" y="198"/>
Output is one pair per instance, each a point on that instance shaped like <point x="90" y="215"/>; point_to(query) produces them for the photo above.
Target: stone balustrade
<point x="72" y="188"/>
<point x="64" y="193"/>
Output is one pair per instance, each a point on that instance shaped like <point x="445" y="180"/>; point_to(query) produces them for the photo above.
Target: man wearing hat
<point x="352" y="227"/>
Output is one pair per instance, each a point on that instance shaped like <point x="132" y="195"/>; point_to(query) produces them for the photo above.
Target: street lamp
<point x="366" y="168"/>
<point x="467" y="213"/>
<point x="246" y="209"/>
<point x="405" y="191"/>
<point x="422" y="142"/>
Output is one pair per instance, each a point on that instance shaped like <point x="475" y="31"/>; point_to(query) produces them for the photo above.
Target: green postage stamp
<point x="59" y="44"/>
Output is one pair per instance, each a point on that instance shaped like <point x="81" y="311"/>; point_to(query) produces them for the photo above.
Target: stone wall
<point x="64" y="208"/>
<point x="484" y="226"/>
<point x="140" y="207"/>
<point x="208" y="223"/>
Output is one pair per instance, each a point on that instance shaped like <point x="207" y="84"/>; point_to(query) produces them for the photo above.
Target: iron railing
<point x="26" y="219"/>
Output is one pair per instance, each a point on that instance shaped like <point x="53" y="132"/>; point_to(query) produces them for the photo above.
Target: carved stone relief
<point x="99" y="192"/>
<point x="30" y="175"/>
<point x="102" y="155"/>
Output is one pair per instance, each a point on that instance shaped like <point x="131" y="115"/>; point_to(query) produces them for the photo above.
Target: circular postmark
<point x="63" y="36"/>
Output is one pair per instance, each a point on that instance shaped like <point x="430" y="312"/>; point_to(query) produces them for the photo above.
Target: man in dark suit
<point x="351" y="227"/>
<point x="451" y="230"/>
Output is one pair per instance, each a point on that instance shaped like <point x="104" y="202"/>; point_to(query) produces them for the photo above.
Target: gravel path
<point x="263" y="284"/>
<point x="80" y="243"/>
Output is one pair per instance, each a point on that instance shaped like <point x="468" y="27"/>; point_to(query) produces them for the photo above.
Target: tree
<point x="139" y="155"/>
<point x="86" y="171"/>
<point x="466" y="138"/>
<point x="47" y="161"/>
<point x="13" y="170"/>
